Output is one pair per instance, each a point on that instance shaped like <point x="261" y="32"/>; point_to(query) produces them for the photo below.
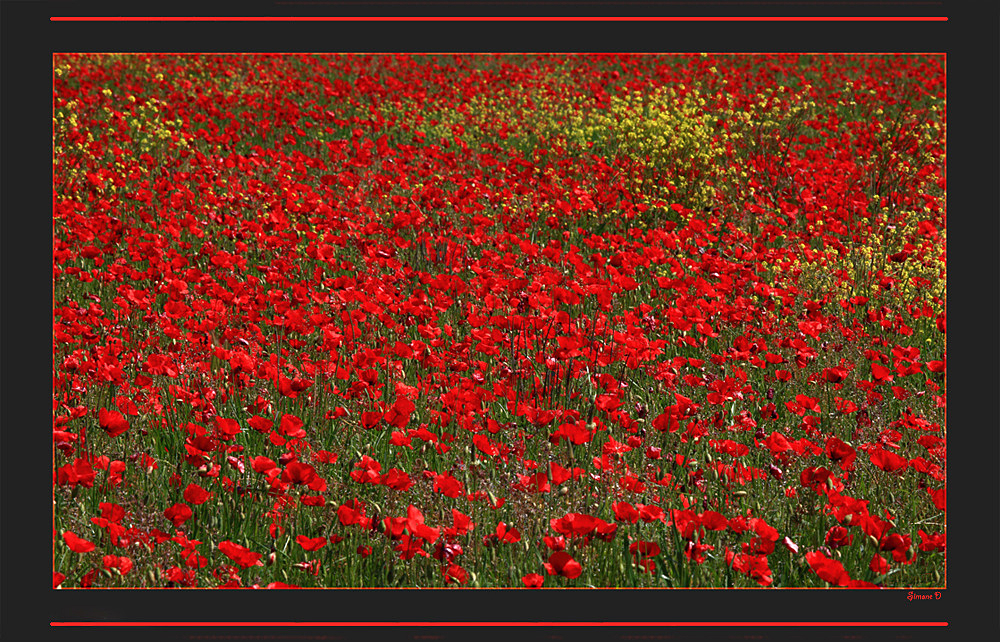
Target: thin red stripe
<point x="498" y="19"/>
<point x="420" y="624"/>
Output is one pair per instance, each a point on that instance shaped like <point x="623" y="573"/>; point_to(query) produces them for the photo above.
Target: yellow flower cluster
<point x="920" y="277"/>
<point x="151" y="133"/>
<point x="666" y="134"/>
<point x="77" y="124"/>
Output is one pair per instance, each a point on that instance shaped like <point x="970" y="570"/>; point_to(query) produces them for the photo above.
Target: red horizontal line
<point x="498" y="19"/>
<point x="420" y="624"/>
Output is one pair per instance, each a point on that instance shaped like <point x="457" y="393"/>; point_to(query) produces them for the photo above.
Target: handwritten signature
<point x="923" y="596"/>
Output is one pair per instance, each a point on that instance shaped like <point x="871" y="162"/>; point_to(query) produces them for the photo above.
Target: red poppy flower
<point x="112" y="422"/>
<point x="900" y="546"/>
<point x="195" y="494"/>
<point x="729" y="447"/>
<point x="557" y="543"/>
<point x="292" y="387"/>
<point x="291" y="427"/>
<point x="695" y="552"/>
<point x="777" y="443"/>
<point x="939" y="497"/>
<point x="753" y="566"/>
<point x="879" y="565"/>
<point x="367" y="471"/>
<point x="558" y="473"/>
<point x="397" y="480"/>
<point x="178" y="513"/>
<point x="409" y="547"/>
<point x="78" y="544"/>
<point x="667" y="421"/>
<point x="227" y="427"/>
<point x="646" y="549"/>
<point x="447" y="485"/>
<point x="123" y="564"/>
<point x="310" y="544"/>
<point x="507" y="534"/>
<point x="835" y="375"/>
<point x="370" y="419"/>
<point x="298" y="473"/>
<point x="399" y="413"/>
<point x="260" y="424"/>
<point x="714" y="521"/>
<point x="281" y="585"/>
<point x="763" y="529"/>
<point x="111" y="512"/>
<point x="838" y="536"/>
<point x="887" y="461"/>
<point x="574" y="524"/>
<point x="561" y="563"/>
<point x="625" y="512"/>
<point x="935" y="542"/>
<point x="263" y="464"/>
<point x="808" y="403"/>
<point x="828" y="570"/>
<point x="651" y="513"/>
<point x="880" y="373"/>
<point x="758" y="546"/>
<point x="242" y="556"/>
<point x="455" y="573"/>
<point x="813" y="477"/>
<point x="872" y="525"/>
<point x="351" y="512"/>
<point x="462" y="523"/>
<point x="533" y="580"/>
<point x="861" y="584"/>
<point x="79" y="472"/>
<point x="841" y="452"/>
<point x="415" y="524"/>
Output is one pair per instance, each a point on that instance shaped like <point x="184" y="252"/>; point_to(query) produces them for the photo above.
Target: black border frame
<point x="969" y="39"/>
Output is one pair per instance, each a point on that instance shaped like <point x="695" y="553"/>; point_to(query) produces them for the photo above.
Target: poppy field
<point x="499" y="321"/>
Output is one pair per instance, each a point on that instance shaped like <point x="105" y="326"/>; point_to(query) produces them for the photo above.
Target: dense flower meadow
<point x="499" y="321"/>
